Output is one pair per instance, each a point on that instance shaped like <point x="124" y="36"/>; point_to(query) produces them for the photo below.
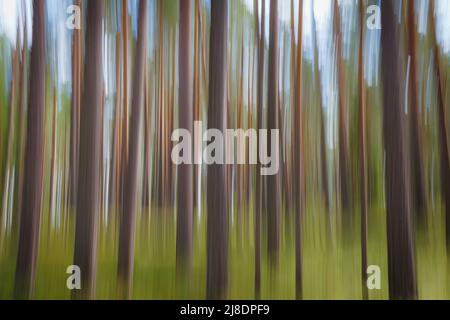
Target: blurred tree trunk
<point x="273" y="181"/>
<point x="344" y="160"/>
<point x="8" y="179"/>
<point x="323" y="152"/>
<point x="362" y="146"/>
<point x="402" y="277"/>
<point x="293" y="79"/>
<point x="444" y="151"/>
<point x="34" y="161"/>
<point x="127" y="224"/>
<point x="185" y="198"/>
<point x="116" y="139"/>
<point x="259" y="105"/>
<point x="298" y="156"/>
<point x="125" y="116"/>
<point x="21" y="131"/>
<point x="159" y="190"/>
<point x="418" y="191"/>
<point x="170" y="182"/>
<point x="240" y="175"/>
<point x="240" y="115"/>
<point x="251" y="79"/>
<point x="146" y="188"/>
<point x="89" y="160"/>
<point x="280" y="109"/>
<point x="217" y="222"/>
<point x="53" y="163"/>
<point x="75" y="111"/>
<point x="196" y="96"/>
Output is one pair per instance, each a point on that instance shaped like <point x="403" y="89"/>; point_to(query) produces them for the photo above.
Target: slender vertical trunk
<point x="444" y="151"/>
<point x="249" y="175"/>
<point x="402" y="278"/>
<point x="196" y="95"/>
<point x="21" y="131"/>
<point x="204" y="45"/>
<point x="240" y="107"/>
<point x="185" y="198"/>
<point x="323" y="153"/>
<point x="259" y="122"/>
<point x="124" y="145"/>
<point x="115" y="152"/>
<point x="217" y="222"/>
<point x="129" y="206"/>
<point x="418" y="191"/>
<point x="280" y="108"/>
<point x="53" y="162"/>
<point x="298" y="156"/>
<point x="170" y="186"/>
<point x="34" y="161"/>
<point x="344" y="160"/>
<point x="88" y="185"/>
<point x="362" y="151"/>
<point x="161" y="106"/>
<point x="147" y="138"/>
<point x="74" y="112"/>
<point x="5" y="188"/>
<point x="273" y="181"/>
<point x="101" y="176"/>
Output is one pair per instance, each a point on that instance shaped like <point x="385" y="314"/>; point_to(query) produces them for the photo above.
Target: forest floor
<point x="331" y="258"/>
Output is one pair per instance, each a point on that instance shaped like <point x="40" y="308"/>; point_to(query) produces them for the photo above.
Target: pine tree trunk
<point x="323" y="153"/>
<point x="418" y="191"/>
<point x="259" y="120"/>
<point x="196" y="96"/>
<point x="444" y="152"/>
<point x="217" y="222"/>
<point x="89" y="157"/>
<point x="344" y="160"/>
<point x="129" y="206"/>
<point x="185" y="198"/>
<point x="402" y="277"/>
<point x="34" y="161"/>
<point x="273" y="181"/>
<point x="75" y="112"/>
<point x="362" y="151"/>
<point x="298" y="157"/>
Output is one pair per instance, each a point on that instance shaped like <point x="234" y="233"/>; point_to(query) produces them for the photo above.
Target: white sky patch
<point x="12" y="14"/>
<point x="443" y="24"/>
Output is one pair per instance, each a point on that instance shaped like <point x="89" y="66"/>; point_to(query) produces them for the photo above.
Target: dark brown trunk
<point x="89" y="157"/>
<point x="161" y="107"/>
<point x="402" y="277"/>
<point x="124" y="145"/>
<point x="217" y="222"/>
<point x="362" y="151"/>
<point x="444" y="151"/>
<point x="115" y="152"/>
<point x="21" y="132"/>
<point x="417" y="190"/>
<point x="129" y="206"/>
<point x="298" y="156"/>
<point x="185" y="198"/>
<point x="34" y="161"/>
<point x="273" y="181"/>
<point x="196" y="95"/>
<point x="323" y="152"/>
<point x="344" y="160"/>
<point x="53" y="161"/>
<point x="259" y="120"/>
<point x="75" y="112"/>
